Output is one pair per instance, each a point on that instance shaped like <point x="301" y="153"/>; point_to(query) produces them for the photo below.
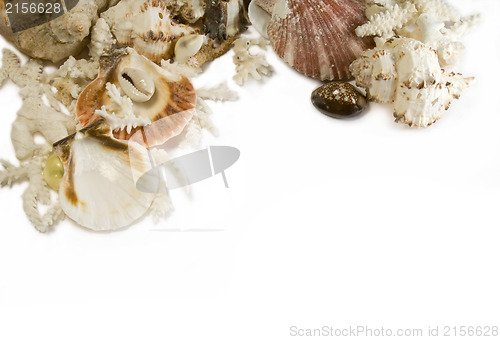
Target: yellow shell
<point x="53" y="172"/>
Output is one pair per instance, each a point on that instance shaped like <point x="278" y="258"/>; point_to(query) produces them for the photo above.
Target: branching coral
<point x="126" y="119"/>
<point x="33" y="117"/>
<point x="437" y="24"/>
<point x="248" y="64"/>
<point x="49" y="109"/>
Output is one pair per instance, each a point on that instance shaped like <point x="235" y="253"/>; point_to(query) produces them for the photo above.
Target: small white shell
<point x="136" y="84"/>
<point x="188" y="46"/>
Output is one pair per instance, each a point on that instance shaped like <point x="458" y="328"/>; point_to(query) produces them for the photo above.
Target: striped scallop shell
<point x="317" y="37"/>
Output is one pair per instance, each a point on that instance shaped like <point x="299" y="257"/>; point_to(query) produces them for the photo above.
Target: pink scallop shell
<point x="317" y="38"/>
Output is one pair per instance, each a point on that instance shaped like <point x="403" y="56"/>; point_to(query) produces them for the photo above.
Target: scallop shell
<point x="169" y="109"/>
<point x="317" y="37"/>
<point x="147" y="26"/>
<point x="98" y="189"/>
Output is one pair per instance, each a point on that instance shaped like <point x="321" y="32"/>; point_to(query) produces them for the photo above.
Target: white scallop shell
<point x="98" y="190"/>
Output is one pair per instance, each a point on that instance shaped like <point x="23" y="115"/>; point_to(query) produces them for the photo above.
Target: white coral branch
<point x="462" y="27"/>
<point x="160" y="207"/>
<point x="122" y="115"/>
<point x="248" y="64"/>
<point x="12" y="174"/>
<point x="438" y="8"/>
<point x="38" y="193"/>
<point x="202" y="116"/>
<point x="221" y="92"/>
<point x="177" y="70"/>
<point x="383" y="24"/>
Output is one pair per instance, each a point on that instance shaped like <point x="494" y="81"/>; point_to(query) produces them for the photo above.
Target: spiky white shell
<point x="317" y="37"/>
<point x="98" y="188"/>
<point x="407" y="73"/>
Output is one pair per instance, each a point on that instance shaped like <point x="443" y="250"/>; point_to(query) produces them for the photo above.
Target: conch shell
<point x="317" y="37"/>
<point x="155" y="93"/>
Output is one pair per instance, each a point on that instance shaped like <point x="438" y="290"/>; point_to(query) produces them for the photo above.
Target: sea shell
<point x="317" y="37"/>
<point x="188" y="46"/>
<point x="406" y="72"/>
<point x="339" y="100"/>
<point x="224" y="19"/>
<point x="259" y="17"/>
<point x="174" y="97"/>
<point x="98" y="189"/>
<point x="189" y="11"/>
<point x="147" y="26"/>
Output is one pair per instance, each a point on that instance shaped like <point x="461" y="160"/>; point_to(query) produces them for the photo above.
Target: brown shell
<point x="169" y="109"/>
<point x="317" y="38"/>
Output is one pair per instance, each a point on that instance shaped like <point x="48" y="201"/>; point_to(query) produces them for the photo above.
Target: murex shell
<point x="317" y="37"/>
<point x="98" y="189"/>
<point x="407" y="73"/>
<point x="147" y="26"/>
<point x="160" y="95"/>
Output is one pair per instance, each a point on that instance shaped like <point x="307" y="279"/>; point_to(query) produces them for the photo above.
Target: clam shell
<point x="98" y="189"/>
<point x="174" y="97"/>
<point x="317" y="37"/>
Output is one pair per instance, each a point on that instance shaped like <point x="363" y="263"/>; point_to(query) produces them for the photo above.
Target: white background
<point x="326" y="222"/>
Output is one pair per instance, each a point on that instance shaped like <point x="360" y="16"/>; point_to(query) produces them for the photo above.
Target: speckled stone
<point x="339" y="100"/>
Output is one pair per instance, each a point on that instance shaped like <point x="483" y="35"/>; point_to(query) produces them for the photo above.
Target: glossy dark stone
<point x="339" y="100"/>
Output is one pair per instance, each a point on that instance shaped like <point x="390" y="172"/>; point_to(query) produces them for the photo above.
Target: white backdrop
<point x="326" y="223"/>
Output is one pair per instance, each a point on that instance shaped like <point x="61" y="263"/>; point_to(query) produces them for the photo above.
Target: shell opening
<point x="136" y="84"/>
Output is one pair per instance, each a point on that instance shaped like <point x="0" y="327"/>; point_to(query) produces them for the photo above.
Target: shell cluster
<point x="147" y="26"/>
<point x="416" y="40"/>
<point x="407" y="73"/>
